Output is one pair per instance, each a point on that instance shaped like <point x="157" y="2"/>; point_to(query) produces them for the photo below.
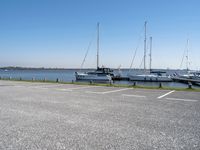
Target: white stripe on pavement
<point x="91" y="92"/>
<point x="116" y="91"/>
<point x="166" y="94"/>
<point x="179" y="99"/>
<point x="77" y="88"/>
<point x="134" y="95"/>
<point x="64" y="90"/>
<point x="107" y="92"/>
<point x="41" y="88"/>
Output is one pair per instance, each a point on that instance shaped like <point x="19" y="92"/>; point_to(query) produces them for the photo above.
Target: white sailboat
<point x="101" y="74"/>
<point x="189" y="76"/>
<point x="151" y="76"/>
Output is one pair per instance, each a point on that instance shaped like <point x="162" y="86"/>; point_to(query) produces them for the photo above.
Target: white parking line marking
<point x="134" y="95"/>
<point x="179" y="99"/>
<point x="19" y="86"/>
<point x="166" y="94"/>
<point x="41" y="88"/>
<point x="91" y="92"/>
<point x="77" y="88"/>
<point x="64" y="90"/>
<point x="46" y="86"/>
<point x="116" y="91"/>
<point x="107" y="92"/>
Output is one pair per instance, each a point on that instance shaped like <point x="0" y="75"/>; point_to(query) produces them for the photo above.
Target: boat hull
<point x="150" y="78"/>
<point x="92" y="77"/>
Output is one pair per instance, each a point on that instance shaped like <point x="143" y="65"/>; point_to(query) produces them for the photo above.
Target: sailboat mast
<point x="150" y="55"/>
<point x="145" y="45"/>
<point x="98" y="45"/>
<point x="187" y="57"/>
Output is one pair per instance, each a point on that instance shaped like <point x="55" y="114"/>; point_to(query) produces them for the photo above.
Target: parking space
<point x="61" y="87"/>
<point x="184" y="96"/>
<point x="103" y="90"/>
<point x="148" y="93"/>
<point x="106" y="90"/>
<point x="45" y="116"/>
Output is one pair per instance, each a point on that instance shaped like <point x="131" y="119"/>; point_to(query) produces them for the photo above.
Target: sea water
<point x="68" y="75"/>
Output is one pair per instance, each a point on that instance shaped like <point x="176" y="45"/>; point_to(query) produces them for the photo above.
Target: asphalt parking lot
<point x="67" y="116"/>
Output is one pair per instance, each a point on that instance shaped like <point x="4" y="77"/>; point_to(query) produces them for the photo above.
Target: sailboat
<point x="190" y="76"/>
<point x="101" y="74"/>
<point x="150" y="76"/>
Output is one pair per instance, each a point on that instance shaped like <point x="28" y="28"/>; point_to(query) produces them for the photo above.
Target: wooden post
<point x="160" y="85"/>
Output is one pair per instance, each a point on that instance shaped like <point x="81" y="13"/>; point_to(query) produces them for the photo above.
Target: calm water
<point x="67" y="75"/>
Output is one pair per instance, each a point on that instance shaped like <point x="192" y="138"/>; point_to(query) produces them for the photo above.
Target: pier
<point x="119" y="78"/>
<point x="186" y="80"/>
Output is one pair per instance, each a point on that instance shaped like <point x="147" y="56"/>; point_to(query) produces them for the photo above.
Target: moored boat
<point x="156" y="76"/>
<point x="149" y="76"/>
<point x="101" y="74"/>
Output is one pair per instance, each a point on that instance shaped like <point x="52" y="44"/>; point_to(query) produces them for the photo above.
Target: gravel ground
<point x="58" y="116"/>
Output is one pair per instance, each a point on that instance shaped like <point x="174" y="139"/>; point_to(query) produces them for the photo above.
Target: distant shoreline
<point x="39" y="68"/>
<point x="43" y="68"/>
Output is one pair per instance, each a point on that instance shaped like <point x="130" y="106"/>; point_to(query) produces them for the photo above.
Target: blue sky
<point x="56" y="33"/>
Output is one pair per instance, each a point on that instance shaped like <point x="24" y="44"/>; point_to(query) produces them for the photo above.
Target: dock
<point x="119" y="78"/>
<point x="186" y="80"/>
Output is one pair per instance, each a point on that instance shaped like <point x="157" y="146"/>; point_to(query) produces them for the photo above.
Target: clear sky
<point x="56" y="33"/>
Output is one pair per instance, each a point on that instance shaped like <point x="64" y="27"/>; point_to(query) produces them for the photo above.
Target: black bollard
<point x="134" y="83"/>
<point x="189" y="85"/>
<point x="160" y="85"/>
<point x="57" y="80"/>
